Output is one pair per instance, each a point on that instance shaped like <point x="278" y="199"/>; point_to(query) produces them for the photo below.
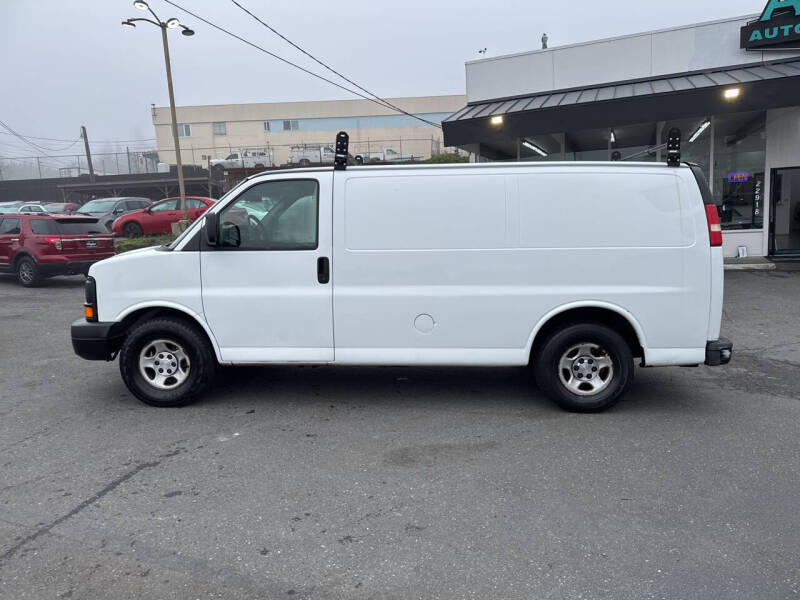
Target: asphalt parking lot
<point x="292" y="482"/>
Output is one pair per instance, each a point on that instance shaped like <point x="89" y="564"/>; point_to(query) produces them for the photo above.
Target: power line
<point x="34" y="144"/>
<point x="331" y="69"/>
<point x="36" y="137"/>
<point x="290" y="63"/>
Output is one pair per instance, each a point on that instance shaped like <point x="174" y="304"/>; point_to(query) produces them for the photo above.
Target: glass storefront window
<point x="739" y="162"/>
<point x="735" y="143"/>
<point x="695" y="141"/>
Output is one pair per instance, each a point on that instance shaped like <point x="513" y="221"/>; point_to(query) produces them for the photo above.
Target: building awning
<point x="761" y="86"/>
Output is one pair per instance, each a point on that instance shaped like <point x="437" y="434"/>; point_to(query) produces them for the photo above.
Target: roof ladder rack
<point x="674" y="147"/>
<point x="340" y="156"/>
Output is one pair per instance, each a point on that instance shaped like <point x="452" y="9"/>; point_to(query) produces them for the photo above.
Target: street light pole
<point x="175" y="138"/>
<point x="172" y="23"/>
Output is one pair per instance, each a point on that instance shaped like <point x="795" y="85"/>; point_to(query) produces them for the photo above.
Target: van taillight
<point x="54" y="241"/>
<point x="714" y="227"/>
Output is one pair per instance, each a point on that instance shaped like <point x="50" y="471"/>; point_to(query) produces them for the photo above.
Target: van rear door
<point x="266" y="287"/>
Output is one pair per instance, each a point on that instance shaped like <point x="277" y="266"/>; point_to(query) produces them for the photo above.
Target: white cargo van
<point x="574" y="268"/>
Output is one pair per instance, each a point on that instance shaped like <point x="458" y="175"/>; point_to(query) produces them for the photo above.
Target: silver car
<point x="108" y="209"/>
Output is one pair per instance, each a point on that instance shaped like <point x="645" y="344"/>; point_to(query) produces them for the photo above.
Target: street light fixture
<point x="172" y="23"/>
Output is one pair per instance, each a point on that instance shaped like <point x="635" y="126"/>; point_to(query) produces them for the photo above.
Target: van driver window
<point x="274" y="215"/>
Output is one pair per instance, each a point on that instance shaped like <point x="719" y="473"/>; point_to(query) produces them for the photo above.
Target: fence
<point x="74" y="165"/>
<point x="152" y="161"/>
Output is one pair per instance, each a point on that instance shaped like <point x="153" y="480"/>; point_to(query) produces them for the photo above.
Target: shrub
<point x="444" y="158"/>
<point x="145" y="241"/>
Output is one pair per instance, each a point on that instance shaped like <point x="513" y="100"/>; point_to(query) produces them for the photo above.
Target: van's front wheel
<point x="585" y="367"/>
<point x="166" y="362"/>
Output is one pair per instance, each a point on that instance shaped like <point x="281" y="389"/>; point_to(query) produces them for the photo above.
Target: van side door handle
<point x="323" y="269"/>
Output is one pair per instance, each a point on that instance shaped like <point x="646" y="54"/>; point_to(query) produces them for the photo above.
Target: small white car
<point x="32" y="208"/>
<point x="577" y="269"/>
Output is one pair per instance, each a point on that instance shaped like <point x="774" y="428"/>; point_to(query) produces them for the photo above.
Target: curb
<point x="749" y="265"/>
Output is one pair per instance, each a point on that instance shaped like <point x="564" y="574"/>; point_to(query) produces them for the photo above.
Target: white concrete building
<point x="731" y="86"/>
<point x="215" y="131"/>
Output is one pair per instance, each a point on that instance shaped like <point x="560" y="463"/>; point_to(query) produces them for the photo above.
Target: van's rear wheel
<point x="166" y="362"/>
<point x="585" y="367"/>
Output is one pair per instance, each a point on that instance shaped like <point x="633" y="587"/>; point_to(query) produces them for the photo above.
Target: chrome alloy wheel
<point x="26" y="272"/>
<point x="586" y="369"/>
<point x="164" y="364"/>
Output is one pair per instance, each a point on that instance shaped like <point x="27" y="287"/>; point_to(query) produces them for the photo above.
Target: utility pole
<point x="172" y="23"/>
<point x="88" y="153"/>
<point x="181" y="187"/>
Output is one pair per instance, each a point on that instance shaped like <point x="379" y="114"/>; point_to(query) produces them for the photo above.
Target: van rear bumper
<point x="94" y="341"/>
<point x="719" y="352"/>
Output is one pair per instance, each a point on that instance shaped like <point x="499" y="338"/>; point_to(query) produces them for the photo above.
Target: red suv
<point x="158" y="217"/>
<point x="39" y="246"/>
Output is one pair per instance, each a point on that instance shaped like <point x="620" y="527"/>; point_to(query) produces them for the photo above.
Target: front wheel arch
<point x="121" y="329"/>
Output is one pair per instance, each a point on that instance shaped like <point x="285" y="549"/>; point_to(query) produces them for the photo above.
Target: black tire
<point x="202" y="362"/>
<point x="259" y="166"/>
<point x="304" y="162"/>
<point x="132" y="230"/>
<point x="28" y="272"/>
<point x="606" y="344"/>
<point x="359" y="160"/>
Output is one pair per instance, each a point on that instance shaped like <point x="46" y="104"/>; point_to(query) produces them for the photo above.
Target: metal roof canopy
<point x="762" y="86"/>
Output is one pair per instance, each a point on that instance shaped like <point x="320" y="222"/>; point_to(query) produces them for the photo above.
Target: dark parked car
<point x="106" y="210"/>
<point x="39" y="246"/>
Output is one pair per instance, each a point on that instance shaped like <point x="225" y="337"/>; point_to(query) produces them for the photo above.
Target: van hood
<point x="132" y="255"/>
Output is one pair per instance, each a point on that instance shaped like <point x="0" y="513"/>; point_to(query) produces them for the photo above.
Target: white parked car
<point x="576" y="268"/>
<point x="385" y="155"/>
<point x="32" y="208"/>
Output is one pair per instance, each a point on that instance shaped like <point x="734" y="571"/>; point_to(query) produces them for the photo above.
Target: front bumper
<point x="719" y="352"/>
<point x="95" y="341"/>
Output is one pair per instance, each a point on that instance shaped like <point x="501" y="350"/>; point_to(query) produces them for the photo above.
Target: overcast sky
<point x="67" y="63"/>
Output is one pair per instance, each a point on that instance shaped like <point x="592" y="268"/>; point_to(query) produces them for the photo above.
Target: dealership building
<point x="731" y="86"/>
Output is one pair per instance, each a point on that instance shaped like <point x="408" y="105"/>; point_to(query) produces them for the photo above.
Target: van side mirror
<point x="212" y="228"/>
<point x="230" y="236"/>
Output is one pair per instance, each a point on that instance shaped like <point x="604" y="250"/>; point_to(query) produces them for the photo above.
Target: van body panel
<point x="267" y="305"/>
<point x="147" y="278"/>
<point x="484" y="254"/>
